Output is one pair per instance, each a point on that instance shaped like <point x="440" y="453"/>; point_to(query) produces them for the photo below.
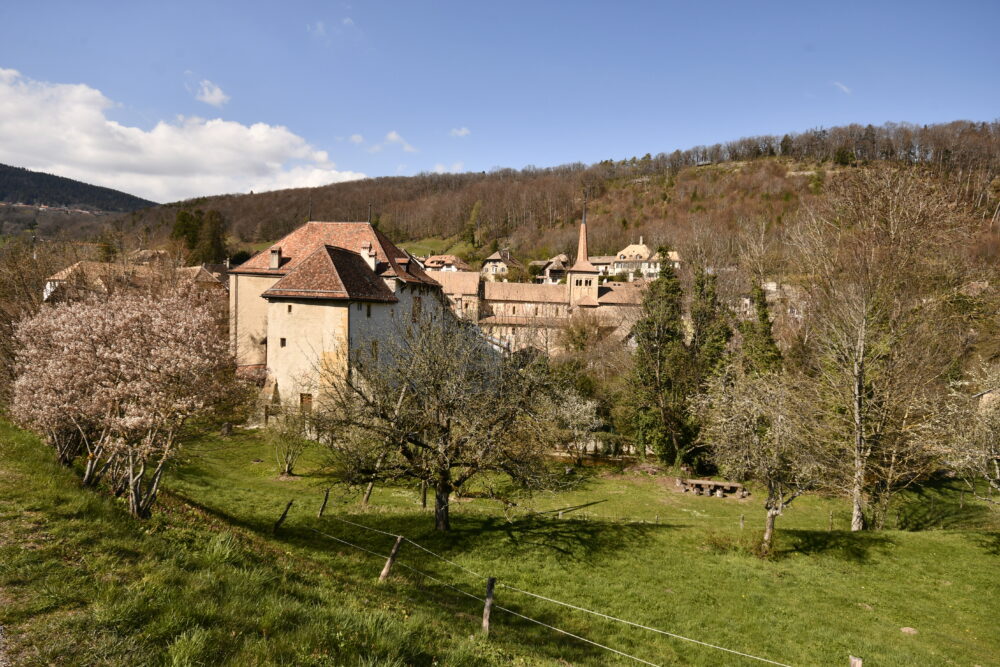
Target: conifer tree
<point x="661" y="380"/>
<point x="759" y="352"/>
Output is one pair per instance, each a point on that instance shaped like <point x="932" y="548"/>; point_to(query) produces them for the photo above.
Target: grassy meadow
<point x="206" y="582"/>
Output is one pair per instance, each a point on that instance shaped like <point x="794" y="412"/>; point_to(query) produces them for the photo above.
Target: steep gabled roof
<point x="351" y="236"/>
<point x="331" y="273"/>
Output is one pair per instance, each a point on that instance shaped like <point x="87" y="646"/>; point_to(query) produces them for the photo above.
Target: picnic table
<point x="711" y="487"/>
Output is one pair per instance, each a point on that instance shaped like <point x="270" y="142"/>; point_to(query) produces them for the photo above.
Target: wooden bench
<point x="710" y="487"/>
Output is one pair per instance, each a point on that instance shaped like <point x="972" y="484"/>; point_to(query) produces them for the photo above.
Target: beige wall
<point x="316" y="337"/>
<point x="248" y="317"/>
<point x="528" y="309"/>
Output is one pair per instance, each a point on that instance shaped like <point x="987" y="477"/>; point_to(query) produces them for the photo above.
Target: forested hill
<point x="23" y="186"/>
<point x="706" y="190"/>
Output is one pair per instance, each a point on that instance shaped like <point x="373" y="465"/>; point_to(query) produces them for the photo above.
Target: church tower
<point x="582" y="276"/>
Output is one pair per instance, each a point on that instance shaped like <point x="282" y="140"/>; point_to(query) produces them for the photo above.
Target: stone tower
<point x="582" y="276"/>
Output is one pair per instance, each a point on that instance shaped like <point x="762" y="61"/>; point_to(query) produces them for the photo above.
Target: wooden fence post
<point x="322" y="508"/>
<point x="742" y="517"/>
<point x="488" y="607"/>
<point x="830" y="529"/>
<point x="560" y="514"/>
<point x="281" y="519"/>
<point x="423" y="493"/>
<point x="391" y="559"/>
<point x="855" y="662"/>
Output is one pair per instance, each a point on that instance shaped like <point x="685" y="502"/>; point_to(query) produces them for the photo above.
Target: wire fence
<point x="482" y="578"/>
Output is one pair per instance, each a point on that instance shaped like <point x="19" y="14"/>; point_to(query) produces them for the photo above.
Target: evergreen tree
<point x="211" y="245"/>
<point x="710" y="329"/>
<point x="469" y="234"/>
<point x="661" y="380"/>
<point x="186" y="227"/>
<point x="760" y="354"/>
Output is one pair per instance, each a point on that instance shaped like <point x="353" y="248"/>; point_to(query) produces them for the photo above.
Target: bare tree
<point x="969" y="430"/>
<point x="439" y="406"/>
<point x="289" y="437"/>
<point x="875" y="263"/>
<point x="757" y="428"/>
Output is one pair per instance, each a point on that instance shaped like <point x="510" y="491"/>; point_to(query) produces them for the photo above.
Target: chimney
<point x="275" y="258"/>
<point x="640" y="240"/>
<point x="368" y="254"/>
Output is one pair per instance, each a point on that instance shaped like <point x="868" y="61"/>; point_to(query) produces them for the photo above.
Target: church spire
<point x="582" y="255"/>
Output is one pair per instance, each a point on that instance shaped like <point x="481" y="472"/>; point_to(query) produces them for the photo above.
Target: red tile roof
<point x="352" y="236"/>
<point x="461" y="283"/>
<point x="332" y="273"/>
<point x="493" y="291"/>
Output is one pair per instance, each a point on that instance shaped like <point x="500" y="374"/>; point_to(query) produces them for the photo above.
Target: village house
<point x="445" y="263"/>
<point x="86" y="278"/>
<point x="549" y="271"/>
<point x="303" y="306"/>
<point x="498" y="265"/>
<point x="638" y="261"/>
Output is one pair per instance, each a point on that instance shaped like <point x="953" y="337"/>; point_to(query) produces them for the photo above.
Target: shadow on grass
<point x="856" y="547"/>
<point x="990" y="542"/>
<point x="514" y="547"/>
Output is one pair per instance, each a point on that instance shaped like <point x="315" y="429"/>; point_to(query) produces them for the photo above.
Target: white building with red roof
<point x="301" y="308"/>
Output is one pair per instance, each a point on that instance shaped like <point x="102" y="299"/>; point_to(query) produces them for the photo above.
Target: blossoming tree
<point x="121" y="380"/>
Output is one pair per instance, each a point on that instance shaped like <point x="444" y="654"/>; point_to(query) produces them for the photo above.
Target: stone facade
<point x="327" y="291"/>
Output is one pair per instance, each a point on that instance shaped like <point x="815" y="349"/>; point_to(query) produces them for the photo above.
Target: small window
<point x="359" y="306"/>
<point x="368" y="310"/>
<point x="289" y="307"/>
<point x="513" y="310"/>
<point x="282" y="342"/>
<point x="305" y="402"/>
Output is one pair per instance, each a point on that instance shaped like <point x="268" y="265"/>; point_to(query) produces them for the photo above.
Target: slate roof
<point x="330" y="272"/>
<point x="351" y="236"/>
<point x="494" y="291"/>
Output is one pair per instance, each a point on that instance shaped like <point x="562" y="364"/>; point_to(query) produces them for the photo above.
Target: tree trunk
<point x="765" y="545"/>
<point x="857" y="495"/>
<point x="442" y="496"/>
<point x="860" y="459"/>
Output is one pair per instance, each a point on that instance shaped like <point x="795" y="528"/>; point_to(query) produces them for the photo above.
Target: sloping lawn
<point x="206" y="582"/>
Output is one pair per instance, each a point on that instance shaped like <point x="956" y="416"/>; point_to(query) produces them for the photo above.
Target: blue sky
<point x="172" y="100"/>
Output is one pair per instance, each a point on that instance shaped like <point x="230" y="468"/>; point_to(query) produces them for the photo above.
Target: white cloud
<point x="456" y="167"/>
<point x="348" y="21"/>
<point x="209" y="93"/>
<point x="841" y="87"/>
<point x="393" y="139"/>
<point x="460" y="131"/>
<point x="317" y="29"/>
<point x="356" y="139"/>
<point x="63" y="129"/>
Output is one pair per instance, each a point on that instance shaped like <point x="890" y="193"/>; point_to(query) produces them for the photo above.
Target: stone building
<point x="302" y="307"/>
<point x="638" y="261"/>
<point x="526" y="315"/>
<point x="498" y="265"/>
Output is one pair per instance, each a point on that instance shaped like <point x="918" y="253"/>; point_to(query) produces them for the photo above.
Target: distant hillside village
<point x="299" y="309"/>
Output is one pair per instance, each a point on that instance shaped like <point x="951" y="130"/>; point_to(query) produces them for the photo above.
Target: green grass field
<point x="205" y="582"/>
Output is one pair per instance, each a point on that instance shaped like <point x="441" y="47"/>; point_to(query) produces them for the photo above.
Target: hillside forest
<point x="673" y="198"/>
